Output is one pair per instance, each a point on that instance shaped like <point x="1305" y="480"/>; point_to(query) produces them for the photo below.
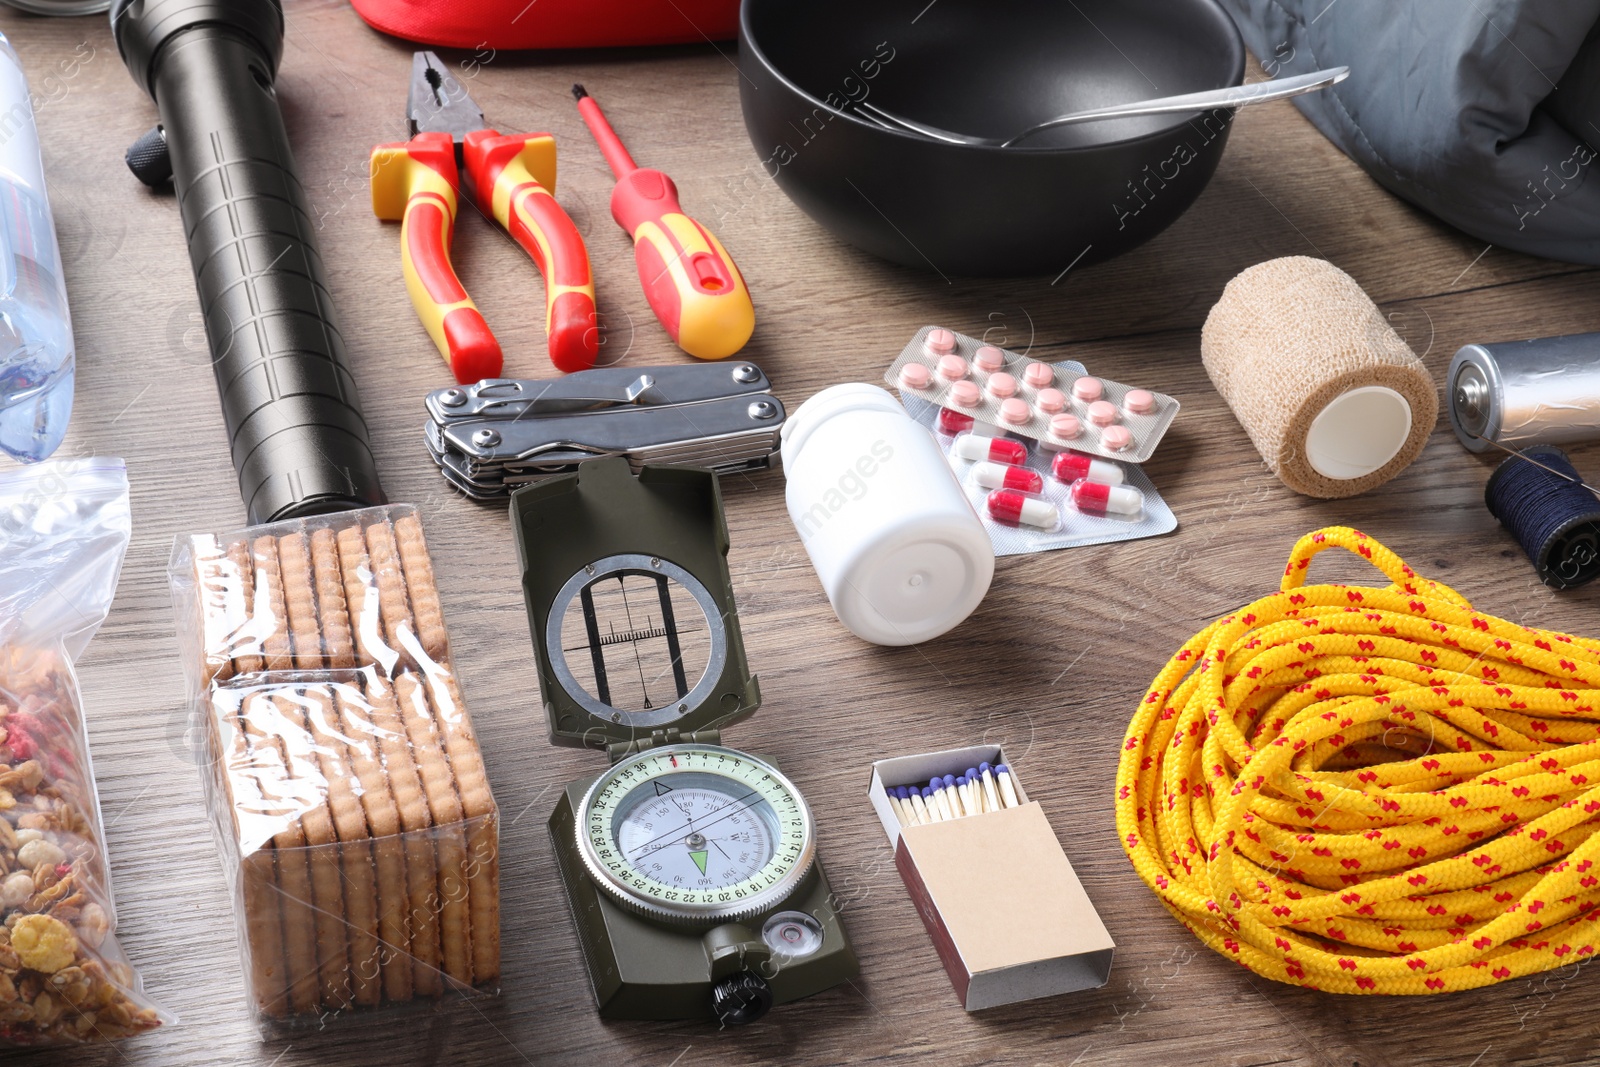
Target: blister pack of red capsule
<point x="1033" y="497"/>
<point x="1025" y="397"/>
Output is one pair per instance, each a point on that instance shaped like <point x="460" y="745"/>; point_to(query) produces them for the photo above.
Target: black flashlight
<point x="295" y="427"/>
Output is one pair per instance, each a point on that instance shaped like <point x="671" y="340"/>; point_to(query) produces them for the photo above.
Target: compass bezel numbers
<point x="747" y="777"/>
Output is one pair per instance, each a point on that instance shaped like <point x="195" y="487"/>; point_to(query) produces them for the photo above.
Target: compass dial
<point x="696" y="833"/>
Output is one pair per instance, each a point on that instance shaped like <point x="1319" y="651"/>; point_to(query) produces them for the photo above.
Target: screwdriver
<point x="688" y="277"/>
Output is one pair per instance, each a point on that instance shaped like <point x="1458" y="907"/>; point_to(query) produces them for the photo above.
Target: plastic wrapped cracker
<point x="346" y="785"/>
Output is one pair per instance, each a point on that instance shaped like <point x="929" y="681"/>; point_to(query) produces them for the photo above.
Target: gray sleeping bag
<point x="1484" y="112"/>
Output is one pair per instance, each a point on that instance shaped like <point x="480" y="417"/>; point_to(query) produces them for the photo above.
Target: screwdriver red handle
<point x="691" y="282"/>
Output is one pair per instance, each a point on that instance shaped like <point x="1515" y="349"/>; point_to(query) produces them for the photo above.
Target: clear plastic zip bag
<point x="63" y="979"/>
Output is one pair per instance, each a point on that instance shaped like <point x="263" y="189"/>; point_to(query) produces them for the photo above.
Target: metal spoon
<point x="1231" y="97"/>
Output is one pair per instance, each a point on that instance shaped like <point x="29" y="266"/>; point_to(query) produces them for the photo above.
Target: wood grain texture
<point x="1052" y="663"/>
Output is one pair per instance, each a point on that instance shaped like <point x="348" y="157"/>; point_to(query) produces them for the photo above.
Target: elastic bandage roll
<point x="1332" y="398"/>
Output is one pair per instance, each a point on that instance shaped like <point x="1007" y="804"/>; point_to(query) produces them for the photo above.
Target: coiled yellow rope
<point x="1368" y="790"/>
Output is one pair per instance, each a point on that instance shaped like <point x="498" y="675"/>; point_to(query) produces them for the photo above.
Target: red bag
<point x="513" y="24"/>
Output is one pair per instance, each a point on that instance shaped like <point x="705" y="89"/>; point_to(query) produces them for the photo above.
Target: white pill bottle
<point x="892" y="535"/>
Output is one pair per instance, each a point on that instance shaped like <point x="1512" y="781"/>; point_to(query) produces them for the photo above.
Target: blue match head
<point x="972" y="774"/>
<point x="983" y="768"/>
<point x="949" y="781"/>
<point x="934" y="783"/>
<point x="902" y="793"/>
<point x="927" y="792"/>
<point x="1002" y="769"/>
<point x="961" y="781"/>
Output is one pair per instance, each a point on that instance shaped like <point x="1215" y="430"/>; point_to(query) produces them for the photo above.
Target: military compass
<point x="690" y="866"/>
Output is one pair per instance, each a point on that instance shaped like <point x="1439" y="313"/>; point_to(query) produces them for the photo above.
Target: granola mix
<point x="62" y="978"/>
<point x="64" y="527"/>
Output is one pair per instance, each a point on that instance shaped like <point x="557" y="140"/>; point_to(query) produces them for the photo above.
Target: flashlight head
<point x="143" y="28"/>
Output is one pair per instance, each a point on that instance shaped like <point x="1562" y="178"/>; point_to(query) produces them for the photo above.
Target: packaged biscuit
<point x="346" y="786"/>
<point x="63" y="980"/>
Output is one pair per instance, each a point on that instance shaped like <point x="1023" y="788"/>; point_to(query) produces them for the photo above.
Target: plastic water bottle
<point x="36" y="350"/>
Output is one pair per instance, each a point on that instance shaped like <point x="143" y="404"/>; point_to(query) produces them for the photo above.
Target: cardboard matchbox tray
<point x="1006" y="913"/>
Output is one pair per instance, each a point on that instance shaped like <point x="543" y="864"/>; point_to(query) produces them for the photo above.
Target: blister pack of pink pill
<point x="1029" y="398"/>
<point x="1035" y="497"/>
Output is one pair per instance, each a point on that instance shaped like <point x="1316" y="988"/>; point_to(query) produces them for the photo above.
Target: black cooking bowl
<point x="1073" y="195"/>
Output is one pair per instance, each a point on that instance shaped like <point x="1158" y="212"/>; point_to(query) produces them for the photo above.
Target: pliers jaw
<point x="438" y="103"/>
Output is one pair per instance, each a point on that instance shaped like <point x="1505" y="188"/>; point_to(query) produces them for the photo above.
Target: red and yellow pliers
<point x="512" y="177"/>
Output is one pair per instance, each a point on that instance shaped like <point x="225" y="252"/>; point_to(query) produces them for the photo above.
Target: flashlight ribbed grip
<point x="298" y="437"/>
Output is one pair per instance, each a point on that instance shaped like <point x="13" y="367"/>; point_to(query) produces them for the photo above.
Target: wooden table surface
<point x="1052" y="663"/>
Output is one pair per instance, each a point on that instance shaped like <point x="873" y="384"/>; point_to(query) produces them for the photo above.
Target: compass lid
<point x="630" y="603"/>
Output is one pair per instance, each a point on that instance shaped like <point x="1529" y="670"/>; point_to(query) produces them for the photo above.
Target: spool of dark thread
<point x="1556" y="520"/>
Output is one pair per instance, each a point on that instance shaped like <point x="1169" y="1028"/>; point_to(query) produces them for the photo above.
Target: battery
<point x="1516" y="393"/>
